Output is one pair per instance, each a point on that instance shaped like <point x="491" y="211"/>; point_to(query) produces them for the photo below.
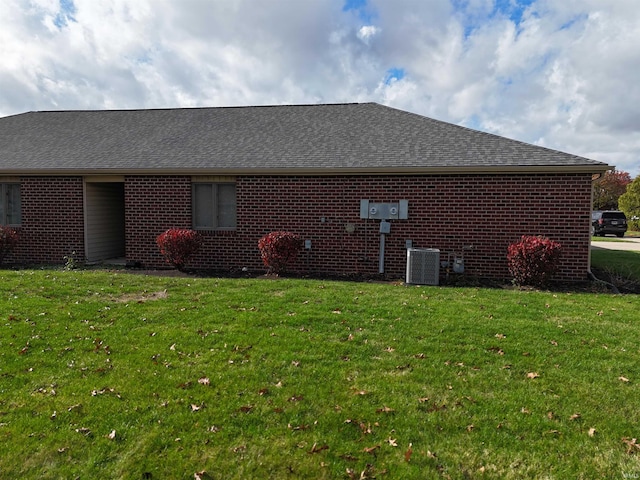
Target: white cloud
<point x="564" y="76"/>
<point x="367" y="32"/>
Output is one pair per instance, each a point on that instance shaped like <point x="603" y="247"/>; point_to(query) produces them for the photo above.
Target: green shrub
<point x="177" y="245"/>
<point x="279" y="250"/>
<point x="8" y="241"/>
<point x="533" y="260"/>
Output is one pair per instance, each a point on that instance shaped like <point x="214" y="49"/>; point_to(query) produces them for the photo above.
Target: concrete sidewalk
<point x="626" y="243"/>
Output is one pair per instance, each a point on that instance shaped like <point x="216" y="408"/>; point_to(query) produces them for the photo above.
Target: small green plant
<point x="533" y="260"/>
<point x="279" y="250"/>
<point x="8" y="240"/>
<point x="177" y="245"/>
<point x="70" y="261"/>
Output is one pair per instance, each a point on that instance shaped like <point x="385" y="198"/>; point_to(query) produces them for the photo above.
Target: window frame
<point x="215" y="185"/>
<point x="5" y="204"/>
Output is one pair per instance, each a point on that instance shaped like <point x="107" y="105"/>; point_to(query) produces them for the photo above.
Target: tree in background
<point x="629" y="203"/>
<point x="608" y="188"/>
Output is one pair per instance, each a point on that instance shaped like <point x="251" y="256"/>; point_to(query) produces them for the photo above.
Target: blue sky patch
<point x="66" y="13"/>
<point x="513" y="9"/>
<point x="393" y="75"/>
<point x="365" y="12"/>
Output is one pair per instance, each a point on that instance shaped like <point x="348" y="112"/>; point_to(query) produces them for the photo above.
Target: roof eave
<point x="459" y="170"/>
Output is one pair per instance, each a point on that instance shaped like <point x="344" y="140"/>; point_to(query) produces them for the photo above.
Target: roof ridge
<point x="220" y="107"/>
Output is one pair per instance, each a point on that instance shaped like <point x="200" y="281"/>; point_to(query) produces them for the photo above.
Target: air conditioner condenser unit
<point x="423" y="266"/>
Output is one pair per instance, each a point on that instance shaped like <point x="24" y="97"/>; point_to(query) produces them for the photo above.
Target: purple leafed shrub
<point x="533" y="260"/>
<point x="279" y="250"/>
<point x="8" y="241"/>
<point x="177" y="245"/>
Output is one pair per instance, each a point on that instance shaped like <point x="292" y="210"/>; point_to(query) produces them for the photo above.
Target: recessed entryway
<point x="104" y="220"/>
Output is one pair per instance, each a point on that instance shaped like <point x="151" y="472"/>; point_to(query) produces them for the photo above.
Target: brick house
<point x="104" y="184"/>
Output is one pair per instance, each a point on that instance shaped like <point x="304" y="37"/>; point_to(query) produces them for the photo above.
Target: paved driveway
<point x="626" y="243"/>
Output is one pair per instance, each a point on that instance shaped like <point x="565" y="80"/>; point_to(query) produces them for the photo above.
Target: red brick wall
<point x="52" y="220"/>
<point x="152" y="205"/>
<point x="449" y="212"/>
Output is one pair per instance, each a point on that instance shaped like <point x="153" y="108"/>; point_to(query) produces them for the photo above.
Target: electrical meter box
<point x="384" y="211"/>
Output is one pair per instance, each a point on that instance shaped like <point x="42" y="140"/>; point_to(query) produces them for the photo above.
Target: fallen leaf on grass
<point x="86" y="432"/>
<point x="632" y="445"/>
<point x="623" y="379"/>
<point x="575" y="416"/>
<point x="203" y="475"/>
<point x="592" y="432"/>
<point x="366" y="474"/>
<point x="246" y="408"/>
<point x="112" y="435"/>
<point x="500" y="335"/>
<point x="408" y="453"/>
<point x="195" y="408"/>
<point x="102" y="391"/>
<point x="204" y="381"/>
<point x="317" y="449"/>
<point x="533" y="375"/>
<point x="385" y="410"/>
<point x="297" y="428"/>
<point x="371" y="449"/>
<point x="392" y="441"/>
<point x="389" y="349"/>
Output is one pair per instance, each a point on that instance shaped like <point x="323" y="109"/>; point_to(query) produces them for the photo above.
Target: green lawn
<point x="621" y="266"/>
<point x="118" y="375"/>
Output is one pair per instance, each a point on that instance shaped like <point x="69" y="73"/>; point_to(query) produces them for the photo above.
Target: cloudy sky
<point x="563" y="74"/>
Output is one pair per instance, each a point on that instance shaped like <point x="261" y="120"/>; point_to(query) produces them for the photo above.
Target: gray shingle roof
<point x="338" y="138"/>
